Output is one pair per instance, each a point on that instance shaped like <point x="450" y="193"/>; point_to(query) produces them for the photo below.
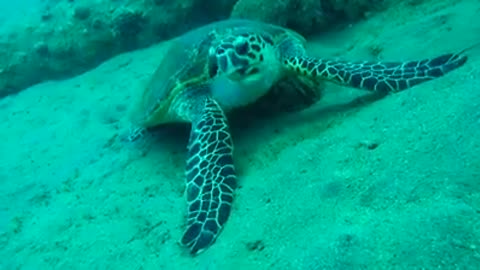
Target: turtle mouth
<point x="243" y="73"/>
<point x="236" y="74"/>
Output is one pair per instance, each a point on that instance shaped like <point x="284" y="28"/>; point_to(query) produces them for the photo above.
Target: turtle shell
<point x="186" y="65"/>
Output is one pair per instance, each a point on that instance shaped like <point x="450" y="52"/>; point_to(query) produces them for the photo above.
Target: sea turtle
<point x="229" y="64"/>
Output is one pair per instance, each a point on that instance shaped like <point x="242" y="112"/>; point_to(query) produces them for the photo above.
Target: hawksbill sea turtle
<point x="229" y="64"/>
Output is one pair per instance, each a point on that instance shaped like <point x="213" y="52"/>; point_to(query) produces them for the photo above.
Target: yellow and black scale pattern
<point x="376" y="76"/>
<point x="211" y="177"/>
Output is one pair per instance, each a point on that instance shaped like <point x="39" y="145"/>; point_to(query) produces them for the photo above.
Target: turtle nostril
<point x="220" y="51"/>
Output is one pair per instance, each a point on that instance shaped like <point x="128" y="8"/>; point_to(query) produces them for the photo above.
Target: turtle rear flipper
<point x="211" y="177"/>
<point x="375" y="76"/>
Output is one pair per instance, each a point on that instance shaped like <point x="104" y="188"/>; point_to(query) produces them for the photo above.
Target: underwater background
<point x="347" y="183"/>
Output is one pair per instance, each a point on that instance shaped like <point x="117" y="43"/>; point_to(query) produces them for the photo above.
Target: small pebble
<point x="41" y="48"/>
<point x="81" y="13"/>
<point x="46" y="16"/>
<point x="97" y="24"/>
<point x="370" y="145"/>
<point x="255" y="245"/>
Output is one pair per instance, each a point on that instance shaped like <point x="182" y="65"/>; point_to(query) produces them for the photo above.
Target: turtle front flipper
<point x="375" y="76"/>
<point x="211" y="177"/>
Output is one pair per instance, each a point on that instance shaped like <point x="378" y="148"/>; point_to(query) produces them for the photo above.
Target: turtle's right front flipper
<point x="211" y="177"/>
<point x="375" y="76"/>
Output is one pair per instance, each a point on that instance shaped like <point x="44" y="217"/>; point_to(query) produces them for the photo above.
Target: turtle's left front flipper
<point x="375" y="76"/>
<point x="211" y="178"/>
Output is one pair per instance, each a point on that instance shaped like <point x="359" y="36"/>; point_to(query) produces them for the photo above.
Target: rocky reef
<point x="69" y="37"/>
<point x="307" y="16"/>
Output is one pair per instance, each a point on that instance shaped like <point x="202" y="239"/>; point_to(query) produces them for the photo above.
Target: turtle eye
<point x="253" y="71"/>
<point x="241" y="48"/>
<point x="220" y="51"/>
<point x="212" y="68"/>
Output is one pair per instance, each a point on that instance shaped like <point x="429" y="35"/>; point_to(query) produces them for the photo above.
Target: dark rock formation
<point x="70" y="37"/>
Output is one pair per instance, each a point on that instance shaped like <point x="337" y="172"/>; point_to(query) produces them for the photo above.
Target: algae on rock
<point x="307" y="16"/>
<point x="70" y="37"/>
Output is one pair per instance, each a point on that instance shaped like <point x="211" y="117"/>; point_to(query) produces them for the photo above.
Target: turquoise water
<point x="348" y="183"/>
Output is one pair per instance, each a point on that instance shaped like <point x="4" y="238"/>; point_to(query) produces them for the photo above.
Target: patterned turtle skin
<point x="229" y="64"/>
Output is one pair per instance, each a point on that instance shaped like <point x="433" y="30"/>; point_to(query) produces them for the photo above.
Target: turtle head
<point x="243" y="57"/>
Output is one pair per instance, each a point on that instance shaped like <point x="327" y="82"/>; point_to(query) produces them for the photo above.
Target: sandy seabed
<point x="393" y="184"/>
